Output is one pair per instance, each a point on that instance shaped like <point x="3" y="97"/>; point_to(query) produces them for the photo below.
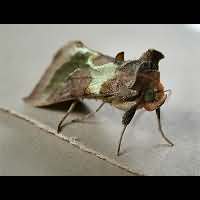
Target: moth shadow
<point x="64" y="106"/>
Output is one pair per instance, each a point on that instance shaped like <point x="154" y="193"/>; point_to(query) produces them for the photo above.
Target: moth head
<point x="154" y="97"/>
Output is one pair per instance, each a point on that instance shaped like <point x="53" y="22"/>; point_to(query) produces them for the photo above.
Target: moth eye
<point x="149" y="95"/>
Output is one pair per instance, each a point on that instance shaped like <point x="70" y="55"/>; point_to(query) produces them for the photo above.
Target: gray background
<point x="26" y="51"/>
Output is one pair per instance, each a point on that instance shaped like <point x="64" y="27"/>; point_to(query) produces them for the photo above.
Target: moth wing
<point x="129" y="73"/>
<point x="123" y="84"/>
<point x="55" y="86"/>
<point x="74" y="87"/>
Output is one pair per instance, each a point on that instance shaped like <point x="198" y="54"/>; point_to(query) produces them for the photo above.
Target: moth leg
<point x="67" y="114"/>
<point x="88" y="115"/>
<point x="160" y="128"/>
<point x="128" y="116"/>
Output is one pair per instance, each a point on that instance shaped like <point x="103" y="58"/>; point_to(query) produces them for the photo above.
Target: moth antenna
<point x="169" y="91"/>
<point x="169" y="94"/>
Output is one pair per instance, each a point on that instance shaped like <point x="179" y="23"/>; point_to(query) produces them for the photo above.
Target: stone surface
<point x="26" y="51"/>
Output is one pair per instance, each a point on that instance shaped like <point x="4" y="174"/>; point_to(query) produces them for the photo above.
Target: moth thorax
<point x="151" y="59"/>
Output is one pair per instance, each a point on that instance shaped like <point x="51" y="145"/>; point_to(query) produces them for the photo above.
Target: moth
<point x="78" y="72"/>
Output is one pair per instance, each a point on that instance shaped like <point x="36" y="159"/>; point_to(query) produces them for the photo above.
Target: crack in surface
<point x="71" y="140"/>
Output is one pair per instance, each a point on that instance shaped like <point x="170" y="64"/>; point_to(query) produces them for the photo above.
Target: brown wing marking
<point x="73" y="88"/>
<point x="118" y="86"/>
